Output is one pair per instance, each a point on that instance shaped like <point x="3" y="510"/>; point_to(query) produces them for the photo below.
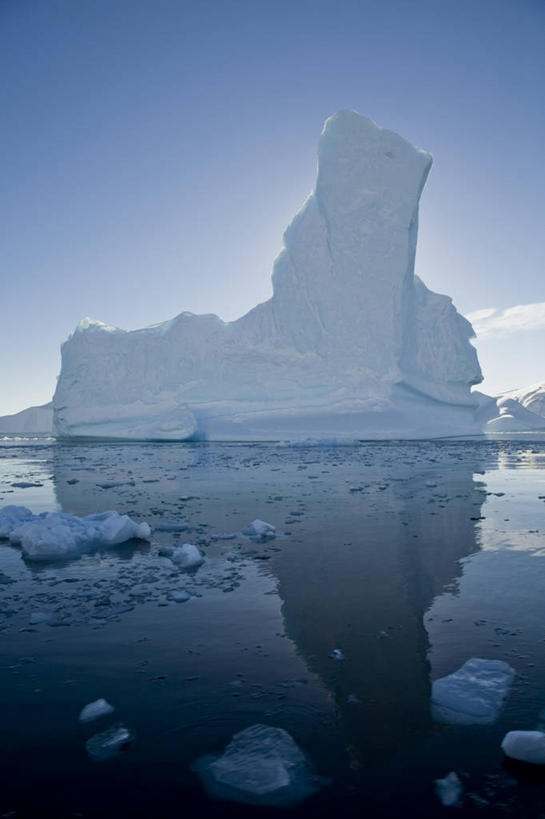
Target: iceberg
<point x="60" y="535"/>
<point x="351" y="344"/>
<point x="472" y="695"/>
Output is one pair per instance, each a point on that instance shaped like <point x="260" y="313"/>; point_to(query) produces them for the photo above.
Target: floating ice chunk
<point x="38" y="617"/>
<point x="449" y="789"/>
<point x="95" y="710"/>
<point x="261" y="765"/>
<point x="258" y="528"/>
<point x="51" y="536"/>
<point x="11" y="517"/>
<point x="185" y="557"/>
<point x="337" y="654"/>
<point x="473" y="694"/>
<point x="526" y="746"/>
<point x="109" y="743"/>
<point x="179" y="596"/>
<point x="171" y="527"/>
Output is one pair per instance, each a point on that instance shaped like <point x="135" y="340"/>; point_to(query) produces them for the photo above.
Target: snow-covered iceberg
<point x="351" y="344"/>
<point x="58" y="535"/>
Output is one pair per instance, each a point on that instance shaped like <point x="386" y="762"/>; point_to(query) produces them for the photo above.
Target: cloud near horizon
<point x="493" y="322"/>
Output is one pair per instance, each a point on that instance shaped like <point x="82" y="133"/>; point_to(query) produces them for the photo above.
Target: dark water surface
<point x="410" y="558"/>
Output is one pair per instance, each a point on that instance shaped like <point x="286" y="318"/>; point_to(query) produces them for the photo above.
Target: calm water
<point x="410" y="558"/>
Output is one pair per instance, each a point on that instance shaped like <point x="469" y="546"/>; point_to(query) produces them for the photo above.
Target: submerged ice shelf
<point x="351" y="345"/>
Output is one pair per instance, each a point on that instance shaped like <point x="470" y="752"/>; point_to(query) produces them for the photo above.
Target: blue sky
<point x="155" y="150"/>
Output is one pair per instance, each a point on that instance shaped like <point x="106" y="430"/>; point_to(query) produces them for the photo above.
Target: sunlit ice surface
<point x="391" y="565"/>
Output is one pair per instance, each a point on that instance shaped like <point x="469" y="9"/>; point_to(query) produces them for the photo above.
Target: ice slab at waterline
<point x="53" y="536"/>
<point x="474" y="694"/>
<point x="351" y="345"/>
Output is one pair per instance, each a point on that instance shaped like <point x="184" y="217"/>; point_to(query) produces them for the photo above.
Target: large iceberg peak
<point x="351" y="344"/>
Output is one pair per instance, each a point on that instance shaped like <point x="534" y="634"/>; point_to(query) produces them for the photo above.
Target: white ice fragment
<point x="179" y="596"/>
<point x="11" y="517"/>
<point x="474" y="694"/>
<point x="526" y="746"/>
<point x="258" y="528"/>
<point x="337" y="654"/>
<point x="95" y="710"/>
<point x="109" y="743"/>
<point x="38" y="617"/>
<point x="449" y="789"/>
<point x="57" y="535"/>
<point x="186" y="556"/>
<point x="261" y="765"/>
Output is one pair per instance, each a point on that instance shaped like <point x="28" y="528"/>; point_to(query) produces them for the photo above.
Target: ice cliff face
<point x="350" y="344"/>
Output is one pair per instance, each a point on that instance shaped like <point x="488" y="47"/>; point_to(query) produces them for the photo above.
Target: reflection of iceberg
<point x="357" y="563"/>
<point x="364" y="586"/>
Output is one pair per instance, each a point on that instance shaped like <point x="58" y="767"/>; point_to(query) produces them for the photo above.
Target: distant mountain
<point x="519" y="410"/>
<point x="33" y="420"/>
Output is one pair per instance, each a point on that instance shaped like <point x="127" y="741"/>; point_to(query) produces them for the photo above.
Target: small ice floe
<point x="449" y="789"/>
<point x="179" y="596"/>
<point x="224" y="536"/>
<point x="57" y="535"/>
<point x="474" y="694"/>
<point x="171" y="527"/>
<point x="336" y="654"/>
<point x="95" y="710"/>
<point x="258" y="528"/>
<point x="109" y="743"/>
<point x="37" y="618"/>
<point x="262" y="765"/>
<point x="525" y="746"/>
<point x="185" y="557"/>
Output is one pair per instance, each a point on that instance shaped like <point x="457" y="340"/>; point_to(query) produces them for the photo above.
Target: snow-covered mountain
<point x="519" y="410"/>
<point x="31" y="420"/>
<point x="350" y="344"/>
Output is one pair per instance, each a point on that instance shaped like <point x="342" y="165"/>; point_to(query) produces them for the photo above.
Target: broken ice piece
<point x="474" y="694"/>
<point x="185" y="557"/>
<point x="261" y="765"/>
<point x="179" y="596"/>
<point x="109" y="743"/>
<point x="337" y="654"/>
<point x="526" y="746"/>
<point x="258" y="528"/>
<point x="449" y="789"/>
<point x="94" y="710"/>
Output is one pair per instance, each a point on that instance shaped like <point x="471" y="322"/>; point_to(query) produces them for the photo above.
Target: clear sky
<point x="155" y="150"/>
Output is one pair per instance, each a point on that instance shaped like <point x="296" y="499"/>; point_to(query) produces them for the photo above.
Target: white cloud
<point x="491" y="321"/>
